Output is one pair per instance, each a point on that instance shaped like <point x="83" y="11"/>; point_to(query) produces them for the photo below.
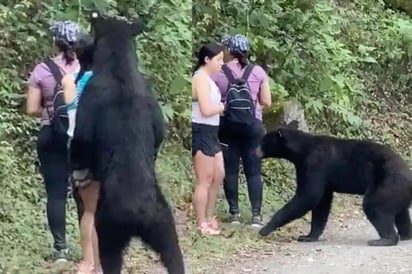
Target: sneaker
<point x="61" y="256"/>
<point x="257" y="221"/>
<point x="235" y="219"/>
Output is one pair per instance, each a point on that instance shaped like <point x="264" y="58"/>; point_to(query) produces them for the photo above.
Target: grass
<point x="235" y="239"/>
<point x="242" y="244"/>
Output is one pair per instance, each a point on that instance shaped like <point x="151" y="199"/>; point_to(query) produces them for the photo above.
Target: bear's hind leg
<point x="112" y="242"/>
<point x="162" y="237"/>
<point x="320" y="216"/>
<point x="382" y="221"/>
<point x="403" y="224"/>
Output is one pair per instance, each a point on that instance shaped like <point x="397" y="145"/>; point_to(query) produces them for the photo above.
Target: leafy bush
<point x="25" y="41"/>
<point x="316" y="51"/>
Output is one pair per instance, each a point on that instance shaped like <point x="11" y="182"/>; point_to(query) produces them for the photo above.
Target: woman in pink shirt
<point x="243" y="143"/>
<point x="52" y="148"/>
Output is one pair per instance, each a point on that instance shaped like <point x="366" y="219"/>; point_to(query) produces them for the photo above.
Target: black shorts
<point x="205" y="138"/>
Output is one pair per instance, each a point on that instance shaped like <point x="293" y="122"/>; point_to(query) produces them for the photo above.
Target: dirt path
<point x="343" y="250"/>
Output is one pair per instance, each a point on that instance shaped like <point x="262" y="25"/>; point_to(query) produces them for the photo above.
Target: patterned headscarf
<point x="237" y="43"/>
<point x="67" y="32"/>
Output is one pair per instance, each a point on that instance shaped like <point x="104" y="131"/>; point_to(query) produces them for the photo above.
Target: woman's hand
<point x="221" y="107"/>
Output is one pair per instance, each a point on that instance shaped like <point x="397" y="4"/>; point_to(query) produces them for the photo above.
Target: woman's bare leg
<point x="218" y="176"/>
<point x="89" y="195"/>
<point x="203" y="166"/>
<point x="97" y="264"/>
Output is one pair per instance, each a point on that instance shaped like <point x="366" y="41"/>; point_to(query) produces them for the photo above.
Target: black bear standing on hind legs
<point x="118" y="131"/>
<point x="327" y="164"/>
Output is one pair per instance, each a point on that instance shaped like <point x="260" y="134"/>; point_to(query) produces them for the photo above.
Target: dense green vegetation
<point x="348" y="62"/>
<point x="24" y="238"/>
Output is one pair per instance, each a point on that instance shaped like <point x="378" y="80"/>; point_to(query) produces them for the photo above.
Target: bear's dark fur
<point x="119" y="127"/>
<point x="327" y="164"/>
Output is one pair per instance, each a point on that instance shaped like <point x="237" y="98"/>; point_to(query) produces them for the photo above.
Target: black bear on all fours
<point x="328" y="164"/>
<point x="119" y="127"/>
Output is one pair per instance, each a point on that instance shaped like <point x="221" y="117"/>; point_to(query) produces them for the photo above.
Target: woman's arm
<point x="265" y="98"/>
<point x="201" y="86"/>
<point x="34" y="92"/>
<point x="69" y="88"/>
<point x="33" y="101"/>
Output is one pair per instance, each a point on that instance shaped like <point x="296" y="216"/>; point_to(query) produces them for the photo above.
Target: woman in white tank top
<point x="206" y="152"/>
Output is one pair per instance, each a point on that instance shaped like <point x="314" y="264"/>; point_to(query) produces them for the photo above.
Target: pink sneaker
<point x="214" y="224"/>
<point x="205" y="229"/>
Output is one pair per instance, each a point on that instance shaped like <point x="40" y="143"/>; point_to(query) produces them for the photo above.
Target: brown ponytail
<point x="242" y="58"/>
<point x="69" y="56"/>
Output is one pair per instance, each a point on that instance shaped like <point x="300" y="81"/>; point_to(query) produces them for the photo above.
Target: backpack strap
<point x="55" y="70"/>
<point x="245" y="76"/>
<point x="247" y="72"/>
<point x="228" y="74"/>
<point x="58" y="76"/>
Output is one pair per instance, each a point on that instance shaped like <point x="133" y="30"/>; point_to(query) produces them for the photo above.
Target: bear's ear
<point x="94" y="14"/>
<point x="137" y="27"/>
<point x="293" y="125"/>
<point x="95" y="18"/>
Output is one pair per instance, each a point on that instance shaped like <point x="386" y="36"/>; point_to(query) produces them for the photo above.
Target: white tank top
<point x="215" y="98"/>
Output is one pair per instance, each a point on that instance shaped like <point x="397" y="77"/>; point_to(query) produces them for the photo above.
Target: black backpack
<point x="240" y="108"/>
<point x="59" y="119"/>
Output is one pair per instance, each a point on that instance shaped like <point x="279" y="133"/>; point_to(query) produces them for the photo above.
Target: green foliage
<point x="25" y="41"/>
<point x="316" y="51"/>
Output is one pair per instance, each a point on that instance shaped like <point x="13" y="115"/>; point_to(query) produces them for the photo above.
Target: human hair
<point x="64" y="36"/>
<point x="84" y="50"/>
<point x="208" y="50"/>
<point x="67" y="50"/>
<point x="242" y="58"/>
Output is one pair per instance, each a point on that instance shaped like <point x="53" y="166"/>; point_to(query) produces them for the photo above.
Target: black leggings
<point x="236" y="148"/>
<point x="52" y="153"/>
